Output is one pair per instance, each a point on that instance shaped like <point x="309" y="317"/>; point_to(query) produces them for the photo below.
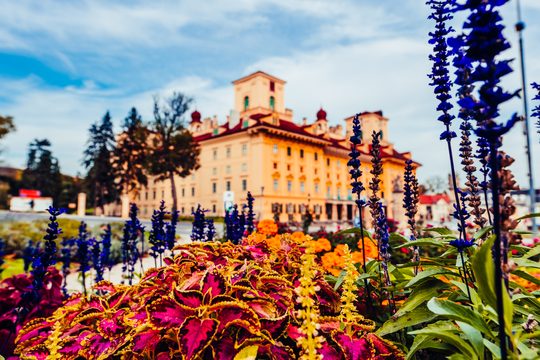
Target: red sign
<point x="32" y="194"/>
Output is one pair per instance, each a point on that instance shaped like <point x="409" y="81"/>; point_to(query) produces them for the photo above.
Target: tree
<point x="98" y="155"/>
<point x="6" y="125"/>
<point x="131" y="154"/>
<point x="173" y="149"/>
<point x="42" y="170"/>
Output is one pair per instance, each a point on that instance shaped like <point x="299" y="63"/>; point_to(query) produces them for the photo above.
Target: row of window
<point x="275" y="150"/>
<point x="228" y="186"/>
<point x="228" y="151"/>
<point x="271" y="102"/>
<point x="228" y="169"/>
<point x="302" y="185"/>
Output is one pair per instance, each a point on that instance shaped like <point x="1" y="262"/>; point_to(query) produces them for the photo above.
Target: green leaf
<point x="449" y="337"/>
<point x="483" y="231"/>
<point x="340" y="279"/>
<point x="355" y="230"/>
<point x="426" y="342"/>
<point x="528" y="216"/>
<point x="426" y="274"/>
<point x="463" y="287"/>
<point x="533" y="252"/>
<point x="525" y="275"/>
<point x="421" y="294"/>
<point x="418" y="316"/>
<point x="474" y="336"/>
<point x="493" y="348"/>
<point x="454" y="311"/>
<point x="439" y="230"/>
<point x="423" y="242"/>
<point x="484" y="272"/>
<point x="395" y="237"/>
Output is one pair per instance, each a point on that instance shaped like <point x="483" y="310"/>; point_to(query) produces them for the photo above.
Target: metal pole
<point x="520" y="25"/>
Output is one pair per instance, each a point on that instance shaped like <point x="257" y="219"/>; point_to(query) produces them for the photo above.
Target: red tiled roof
<point x="433" y="199"/>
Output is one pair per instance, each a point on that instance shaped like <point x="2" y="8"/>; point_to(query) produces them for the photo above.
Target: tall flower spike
<point x="130" y="236"/>
<point x="376" y="172"/>
<point x="47" y="257"/>
<point x="440" y="80"/>
<point x="105" y="255"/>
<point x="536" y="111"/>
<point x="250" y="216"/>
<point x="483" y="43"/>
<point x="67" y="245"/>
<point x="2" y="254"/>
<point x="28" y="255"/>
<point x="95" y="249"/>
<point x="83" y="253"/>
<point x="199" y="223"/>
<point x="171" y="230"/>
<point x="157" y="234"/>
<point x="349" y="313"/>
<point x="310" y="341"/>
<point x="410" y="204"/>
<point x="210" y="230"/>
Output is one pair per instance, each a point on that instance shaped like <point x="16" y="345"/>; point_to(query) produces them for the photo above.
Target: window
<point x="316" y="187"/>
<point x="244" y="149"/>
<point x="183" y="210"/>
<point x="214" y="187"/>
<point x="146" y="195"/>
<point x="244" y="167"/>
<point x="275" y="165"/>
<point x="289" y="185"/>
<point x="228" y="151"/>
<point x="338" y="164"/>
<point x="302" y="186"/>
<point x="315" y="171"/>
<point x="214" y="154"/>
<point x="275" y="149"/>
<point x="228" y="169"/>
<point x="246" y="103"/>
<point x="301" y="169"/>
<point x="327" y="161"/>
<point x="272" y="103"/>
<point x="339" y="193"/>
<point x="289" y="151"/>
<point x="272" y="86"/>
<point x="214" y="171"/>
<point x="276" y="185"/>
<point x="162" y="194"/>
<point x="154" y="195"/>
<point x="245" y="124"/>
<point x="244" y="184"/>
<point x="288" y="167"/>
<point x="316" y="155"/>
<point x="192" y="191"/>
<point x="213" y="208"/>
<point x="228" y="185"/>
<point x="301" y="153"/>
<point x="328" y="192"/>
<point x="183" y="192"/>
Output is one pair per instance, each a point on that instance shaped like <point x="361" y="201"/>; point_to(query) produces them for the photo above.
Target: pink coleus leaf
<point x="146" y="340"/>
<point x="354" y="349"/>
<point x="189" y="298"/>
<point x="195" y="335"/>
<point x="213" y="284"/>
<point x="166" y="312"/>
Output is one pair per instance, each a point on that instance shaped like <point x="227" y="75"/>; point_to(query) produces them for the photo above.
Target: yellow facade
<point x="285" y="165"/>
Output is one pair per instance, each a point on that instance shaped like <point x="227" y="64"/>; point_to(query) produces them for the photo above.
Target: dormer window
<point x="246" y="103"/>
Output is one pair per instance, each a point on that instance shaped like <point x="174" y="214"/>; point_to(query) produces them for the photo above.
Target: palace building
<point x="288" y="166"/>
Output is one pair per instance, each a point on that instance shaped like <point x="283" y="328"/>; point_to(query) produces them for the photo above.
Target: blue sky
<point x="64" y="63"/>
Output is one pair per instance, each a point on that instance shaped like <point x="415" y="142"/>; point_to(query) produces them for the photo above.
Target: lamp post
<point x="520" y="26"/>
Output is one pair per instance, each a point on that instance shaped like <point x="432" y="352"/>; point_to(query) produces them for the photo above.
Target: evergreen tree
<point x="98" y="157"/>
<point x="173" y="150"/>
<point x="42" y="170"/>
<point x="131" y="154"/>
<point x="6" y="125"/>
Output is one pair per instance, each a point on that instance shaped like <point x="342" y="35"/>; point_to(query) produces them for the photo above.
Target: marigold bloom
<point x="267" y="227"/>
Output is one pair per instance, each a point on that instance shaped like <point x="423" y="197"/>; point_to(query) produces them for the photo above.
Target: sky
<point x="63" y="64"/>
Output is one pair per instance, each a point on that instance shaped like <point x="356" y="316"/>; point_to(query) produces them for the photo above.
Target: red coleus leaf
<point x="166" y="312"/>
<point x="146" y="341"/>
<point x="276" y="327"/>
<point x="329" y="353"/>
<point x="224" y="348"/>
<point x="384" y="349"/>
<point x="195" y="335"/>
<point x="213" y="284"/>
<point x="354" y="349"/>
<point x="228" y="313"/>
<point x="189" y="298"/>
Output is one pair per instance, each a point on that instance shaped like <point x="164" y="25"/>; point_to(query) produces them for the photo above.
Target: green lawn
<point x="12" y="267"/>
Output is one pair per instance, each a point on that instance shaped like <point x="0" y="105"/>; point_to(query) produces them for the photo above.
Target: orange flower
<point x="274" y="242"/>
<point x="267" y="227"/>
<point x="298" y="237"/>
<point x="371" y="248"/>
<point x="320" y="245"/>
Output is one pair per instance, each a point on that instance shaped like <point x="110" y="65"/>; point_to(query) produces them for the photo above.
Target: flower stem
<point x="497" y="246"/>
